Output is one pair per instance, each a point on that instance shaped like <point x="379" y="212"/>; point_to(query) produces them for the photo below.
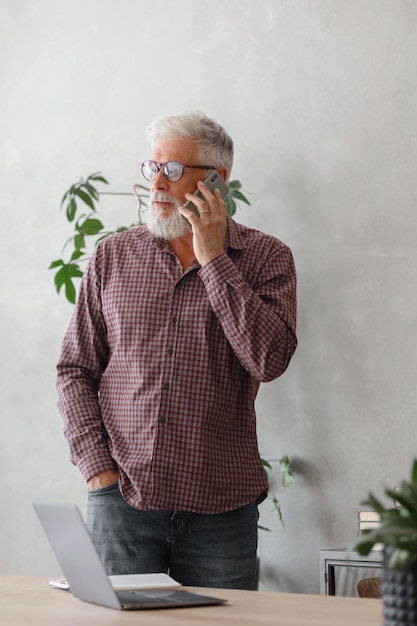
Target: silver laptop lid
<point x="75" y="552"/>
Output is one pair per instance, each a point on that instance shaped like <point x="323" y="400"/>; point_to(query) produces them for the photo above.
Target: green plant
<point x="398" y="525"/>
<point x="287" y="479"/>
<point x="89" y="225"/>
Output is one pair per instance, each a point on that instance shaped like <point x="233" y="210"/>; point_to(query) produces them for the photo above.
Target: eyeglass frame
<point x="161" y="167"/>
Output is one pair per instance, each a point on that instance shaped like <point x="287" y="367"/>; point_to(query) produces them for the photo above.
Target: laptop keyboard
<point x="147" y="597"/>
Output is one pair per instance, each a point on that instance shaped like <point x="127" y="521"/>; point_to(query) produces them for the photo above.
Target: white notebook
<point x="124" y="582"/>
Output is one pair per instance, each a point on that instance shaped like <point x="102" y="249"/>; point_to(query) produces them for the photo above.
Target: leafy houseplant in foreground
<point x="398" y="534"/>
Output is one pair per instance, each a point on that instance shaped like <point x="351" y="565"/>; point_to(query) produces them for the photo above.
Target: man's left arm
<point x="259" y="319"/>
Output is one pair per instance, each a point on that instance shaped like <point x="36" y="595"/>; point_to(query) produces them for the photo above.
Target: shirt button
<point x="171" y="351"/>
<point x="162" y="420"/>
<point x="174" y="320"/>
<point x="167" y="386"/>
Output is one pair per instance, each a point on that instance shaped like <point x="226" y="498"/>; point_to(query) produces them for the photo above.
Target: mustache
<point x="161" y="196"/>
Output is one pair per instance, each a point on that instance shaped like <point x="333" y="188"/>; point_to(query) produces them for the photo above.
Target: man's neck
<point x="183" y="248"/>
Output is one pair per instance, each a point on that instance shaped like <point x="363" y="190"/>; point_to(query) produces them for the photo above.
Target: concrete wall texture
<point x="320" y="97"/>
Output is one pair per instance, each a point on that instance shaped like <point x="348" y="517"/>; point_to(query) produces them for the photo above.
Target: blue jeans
<point x="217" y="550"/>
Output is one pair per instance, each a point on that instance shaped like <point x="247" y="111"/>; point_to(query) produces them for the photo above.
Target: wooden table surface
<point x="29" y="601"/>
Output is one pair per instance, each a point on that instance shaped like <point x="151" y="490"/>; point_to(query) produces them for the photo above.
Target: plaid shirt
<point x="160" y="368"/>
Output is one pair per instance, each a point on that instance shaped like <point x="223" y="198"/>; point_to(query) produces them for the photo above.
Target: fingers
<point x="209" y="204"/>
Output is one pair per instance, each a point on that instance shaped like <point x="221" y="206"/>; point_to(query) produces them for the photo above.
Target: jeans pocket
<point x="102" y="490"/>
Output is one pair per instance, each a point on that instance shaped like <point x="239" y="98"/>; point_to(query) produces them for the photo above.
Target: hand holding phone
<point x="212" y="182"/>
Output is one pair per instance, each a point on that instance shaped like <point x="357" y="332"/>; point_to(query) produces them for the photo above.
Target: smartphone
<point x="212" y="182"/>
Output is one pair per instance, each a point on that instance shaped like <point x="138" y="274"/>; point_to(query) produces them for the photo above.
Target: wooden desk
<point x="29" y="601"/>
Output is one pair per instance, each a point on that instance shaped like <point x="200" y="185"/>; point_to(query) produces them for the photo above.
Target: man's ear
<point x="223" y="172"/>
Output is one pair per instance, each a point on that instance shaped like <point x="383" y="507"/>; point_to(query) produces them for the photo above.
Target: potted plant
<point x="398" y="534"/>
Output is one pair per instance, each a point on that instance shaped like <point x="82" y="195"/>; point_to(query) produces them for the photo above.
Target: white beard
<point x="167" y="227"/>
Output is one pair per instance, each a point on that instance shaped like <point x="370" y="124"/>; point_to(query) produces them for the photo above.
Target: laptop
<point x="85" y="573"/>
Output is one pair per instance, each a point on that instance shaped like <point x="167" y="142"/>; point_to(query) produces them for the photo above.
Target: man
<point x="176" y="325"/>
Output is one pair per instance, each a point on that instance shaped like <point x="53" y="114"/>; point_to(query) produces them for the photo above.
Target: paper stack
<point x="368" y="520"/>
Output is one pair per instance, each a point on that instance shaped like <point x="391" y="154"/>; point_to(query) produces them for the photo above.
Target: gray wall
<point x="320" y="96"/>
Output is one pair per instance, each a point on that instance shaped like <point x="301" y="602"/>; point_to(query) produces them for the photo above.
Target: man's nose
<point x="160" y="181"/>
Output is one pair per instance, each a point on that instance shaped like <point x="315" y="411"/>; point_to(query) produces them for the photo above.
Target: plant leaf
<point x="267" y="467"/>
<point x="76" y="255"/>
<point x="65" y="196"/>
<point x="67" y="271"/>
<point x="409" y="491"/>
<point x="363" y="546"/>
<point x="71" y="209"/>
<point x="79" y="242"/>
<point x="403" y="498"/>
<point x="97" y="176"/>
<point x="91" y="190"/>
<point x="287" y="475"/>
<point x="56" y="263"/>
<point x="401" y="559"/>
<point x="85" y="198"/>
<point x="398" y="526"/>
<point x="239" y="196"/>
<point x="90" y="226"/>
<point x="264" y="528"/>
<point x="374" y="503"/>
<point x="277" y="508"/>
<point x="230" y="205"/>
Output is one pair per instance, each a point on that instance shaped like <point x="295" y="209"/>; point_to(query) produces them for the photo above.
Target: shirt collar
<point x="234" y="237"/>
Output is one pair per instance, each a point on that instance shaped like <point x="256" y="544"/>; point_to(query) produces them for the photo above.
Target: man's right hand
<point x="104" y="479"/>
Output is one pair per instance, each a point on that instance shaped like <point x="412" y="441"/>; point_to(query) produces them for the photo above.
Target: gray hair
<point x="215" y="144"/>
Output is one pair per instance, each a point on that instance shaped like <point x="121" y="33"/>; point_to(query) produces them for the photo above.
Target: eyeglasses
<point x="172" y="170"/>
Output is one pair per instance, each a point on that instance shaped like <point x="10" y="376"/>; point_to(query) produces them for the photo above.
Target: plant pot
<point x="399" y="594"/>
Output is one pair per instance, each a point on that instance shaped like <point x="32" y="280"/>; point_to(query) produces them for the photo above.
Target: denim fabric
<point x="205" y="550"/>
